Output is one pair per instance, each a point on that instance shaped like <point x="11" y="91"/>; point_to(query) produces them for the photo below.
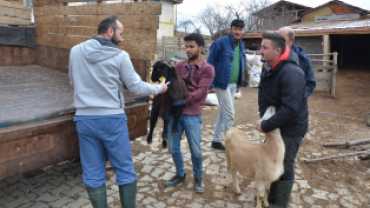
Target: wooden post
<point x="326" y="47"/>
<point x="100" y="3"/>
<point x="341" y="52"/>
<point x="333" y="74"/>
<point x="164" y="50"/>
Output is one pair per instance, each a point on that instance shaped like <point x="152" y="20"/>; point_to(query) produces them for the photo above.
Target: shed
<point x="330" y="28"/>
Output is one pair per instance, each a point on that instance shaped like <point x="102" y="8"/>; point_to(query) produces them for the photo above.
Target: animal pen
<point x="325" y="68"/>
<point x="36" y="114"/>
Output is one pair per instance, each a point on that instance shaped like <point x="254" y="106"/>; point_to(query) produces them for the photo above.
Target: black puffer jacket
<point x="284" y="87"/>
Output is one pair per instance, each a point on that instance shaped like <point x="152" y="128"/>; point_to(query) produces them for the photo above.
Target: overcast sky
<point x="191" y="8"/>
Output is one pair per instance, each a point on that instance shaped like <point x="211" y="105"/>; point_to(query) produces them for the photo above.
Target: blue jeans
<point x="226" y="114"/>
<point x="192" y="127"/>
<point x="101" y="135"/>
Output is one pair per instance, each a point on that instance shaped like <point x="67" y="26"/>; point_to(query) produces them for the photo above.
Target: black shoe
<point x="175" y="180"/>
<point x="199" y="185"/>
<point x="218" y="145"/>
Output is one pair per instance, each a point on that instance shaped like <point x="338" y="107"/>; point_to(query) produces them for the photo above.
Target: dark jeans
<point x="292" y="144"/>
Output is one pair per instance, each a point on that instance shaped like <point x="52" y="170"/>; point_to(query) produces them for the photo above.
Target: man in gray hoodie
<point x="97" y="71"/>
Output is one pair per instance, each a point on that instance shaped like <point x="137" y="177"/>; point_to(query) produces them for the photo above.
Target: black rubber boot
<point x="283" y="190"/>
<point x="127" y="195"/>
<point x="272" y="195"/>
<point x="271" y="198"/>
<point x="98" y="196"/>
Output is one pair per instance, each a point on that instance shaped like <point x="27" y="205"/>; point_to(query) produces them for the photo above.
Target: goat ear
<point x="168" y="64"/>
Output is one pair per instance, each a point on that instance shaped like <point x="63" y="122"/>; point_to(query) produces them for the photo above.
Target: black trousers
<point x="292" y="144"/>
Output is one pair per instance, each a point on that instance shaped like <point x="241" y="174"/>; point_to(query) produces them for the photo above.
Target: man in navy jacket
<point x="227" y="56"/>
<point x="304" y="60"/>
<point x="282" y="85"/>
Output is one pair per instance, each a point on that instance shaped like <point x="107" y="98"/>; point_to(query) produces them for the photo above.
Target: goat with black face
<point x="162" y="104"/>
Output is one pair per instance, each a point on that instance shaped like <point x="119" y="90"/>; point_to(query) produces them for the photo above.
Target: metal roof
<point x="332" y="27"/>
<point x="357" y="9"/>
<point x="337" y="27"/>
<point x="272" y="6"/>
<point x="178" y="1"/>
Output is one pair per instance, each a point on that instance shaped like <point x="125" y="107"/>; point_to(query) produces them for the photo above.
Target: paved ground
<point x="326" y="184"/>
<point x="61" y="185"/>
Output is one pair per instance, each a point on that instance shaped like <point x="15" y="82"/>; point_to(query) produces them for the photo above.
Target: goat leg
<point x="260" y="193"/>
<point x="228" y="165"/>
<point x="234" y="175"/>
<point x="267" y="192"/>
<point x="164" y="133"/>
<point x="153" y="118"/>
<point x="166" y="119"/>
<point x="176" y="110"/>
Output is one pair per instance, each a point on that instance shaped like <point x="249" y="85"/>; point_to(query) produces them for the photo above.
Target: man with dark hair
<point x="198" y="76"/>
<point x="227" y="56"/>
<point x="97" y="71"/>
<point x="282" y="85"/>
<point x="304" y="60"/>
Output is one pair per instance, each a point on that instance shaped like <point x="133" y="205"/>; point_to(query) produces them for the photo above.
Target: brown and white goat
<point x="262" y="163"/>
<point x="162" y="103"/>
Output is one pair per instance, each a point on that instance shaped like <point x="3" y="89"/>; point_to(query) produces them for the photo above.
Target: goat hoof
<point x="149" y="139"/>
<point x="174" y="131"/>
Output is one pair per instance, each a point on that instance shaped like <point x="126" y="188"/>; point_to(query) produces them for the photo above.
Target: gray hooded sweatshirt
<point x="97" y="71"/>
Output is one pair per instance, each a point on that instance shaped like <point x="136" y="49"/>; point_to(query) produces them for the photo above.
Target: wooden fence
<point x="325" y="67"/>
<point x="12" y="13"/>
<point x="63" y="26"/>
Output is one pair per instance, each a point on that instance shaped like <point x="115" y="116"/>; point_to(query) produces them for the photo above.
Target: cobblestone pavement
<point x="320" y="185"/>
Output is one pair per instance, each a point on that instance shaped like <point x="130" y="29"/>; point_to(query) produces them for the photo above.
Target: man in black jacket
<point x="282" y="85"/>
<point x="304" y="60"/>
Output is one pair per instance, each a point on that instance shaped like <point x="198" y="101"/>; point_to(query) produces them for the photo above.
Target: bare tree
<point x="197" y="30"/>
<point x="256" y="10"/>
<point x="187" y="24"/>
<point x="215" y="18"/>
<point x="266" y="16"/>
<point x="207" y="18"/>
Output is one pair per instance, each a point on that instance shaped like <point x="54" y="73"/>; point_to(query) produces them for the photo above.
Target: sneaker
<point x="218" y="145"/>
<point x="199" y="185"/>
<point x="175" y="180"/>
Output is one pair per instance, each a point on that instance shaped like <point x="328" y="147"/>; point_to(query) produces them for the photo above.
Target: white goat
<point x="262" y="163"/>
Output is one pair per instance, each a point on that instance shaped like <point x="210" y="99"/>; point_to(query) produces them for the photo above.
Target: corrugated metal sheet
<point x="362" y="25"/>
<point x="334" y="26"/>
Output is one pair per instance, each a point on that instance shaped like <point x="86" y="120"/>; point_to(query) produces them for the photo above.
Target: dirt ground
<point x="331" y="183"/>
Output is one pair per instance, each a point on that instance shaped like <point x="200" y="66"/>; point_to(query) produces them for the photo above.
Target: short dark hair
<point x="106" y="23"/>
<point x="277" y="40"/>
<point x="291" y="35"/>
<point x="198" y="38"/>
<point x="237" y="23"/>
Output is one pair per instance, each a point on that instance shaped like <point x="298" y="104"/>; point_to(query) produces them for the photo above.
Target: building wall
<point x="166" y="20"/>
<point x="311" y="45"/>
<point x="310" y="17"/>
<point x="340" y="9"/>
